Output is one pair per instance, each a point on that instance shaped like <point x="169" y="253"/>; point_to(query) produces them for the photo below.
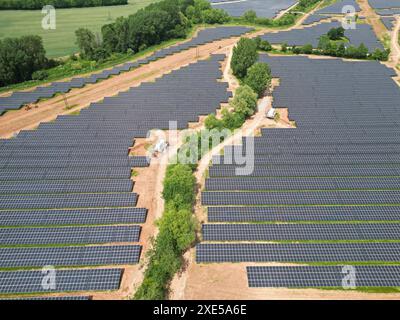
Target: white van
<point x="271" y="113"/>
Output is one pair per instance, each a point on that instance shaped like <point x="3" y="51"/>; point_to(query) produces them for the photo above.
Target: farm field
<point x="61" y="42"/>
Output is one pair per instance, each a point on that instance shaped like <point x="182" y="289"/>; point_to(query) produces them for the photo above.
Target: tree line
<point x="39" y="4"/>
<point x="158" y="22"/>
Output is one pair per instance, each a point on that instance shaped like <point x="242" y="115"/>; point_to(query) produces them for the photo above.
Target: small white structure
<point x="161" y="146"/>
<point x="271" y="113"/>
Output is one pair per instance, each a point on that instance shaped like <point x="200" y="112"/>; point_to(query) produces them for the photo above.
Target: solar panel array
<point x="263" y="8"/>
<point x="323" y="276"/>
<point x="388" y="22"/>
<point x="384" y="4"/>
<point x="18" y="99"/>
<point x="363" y="33"/>
<point x="66" y="195"/>
<point x="298" y="252"/>
<point x="338" y="7"/>
<point x="326" y="191"/>
<point x="78" y="298"/>
<point x="69" y="256"/>
<point x="12" y="282"/>
<point x="313" y="18"/>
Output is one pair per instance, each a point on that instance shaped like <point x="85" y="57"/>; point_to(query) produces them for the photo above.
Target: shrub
<point x="250" y="16"/>
<point x="211" y="122"/>
<point x="336" y="33"/>
<point x="232" y="120"/>
<point x="258" y="77"/>
<point x="245" y="101"/>
<point x="40" y="75"/>
<point x="179" y="181"/>
<point x="20" y="58"/>
<point x="180" y="223"/>
<point x="244" y="56"/>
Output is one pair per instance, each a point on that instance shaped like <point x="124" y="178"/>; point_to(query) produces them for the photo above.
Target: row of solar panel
<point x="63" y="281"/>
<point x="297" y="252"/>
<point x="69" y="256"/>
<point x="69" y="235"/>
<point x="281" y="183"/>
<point x="304" y="232"/>
<point x="66" y="186"/>
<point x="305" y="213"/>
<point x="354" y="197"/>
<point x="73" y="217"/>
<point x="324" y="276"/>
<point x="314" y="170"/>
<point x="68" y="201"/>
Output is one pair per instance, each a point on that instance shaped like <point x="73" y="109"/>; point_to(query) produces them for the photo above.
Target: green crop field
<point x="61" y="42"/>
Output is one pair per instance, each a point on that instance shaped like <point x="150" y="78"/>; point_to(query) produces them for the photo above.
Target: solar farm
<point x="69" y="202"/>
<point x="84" y="195"/>
<point x="323" y="192"/>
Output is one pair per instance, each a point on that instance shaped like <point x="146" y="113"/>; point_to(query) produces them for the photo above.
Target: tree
<point x="244" y="56"/>
<point x="212" y="122"/>
<point x="250" y="16"/>
<point x="258" y="77"/>
<point x="306" y="49"/>
<point x="213" y="16"/>
<point x="284" y="47"/>
<point x="232" y="120"/>
<point x="245" y="101"/>
<point x="86" y="41"/>
<point x="336" y="33"/>
<point x="179" y="181"/>
<point x="20" y="58"/>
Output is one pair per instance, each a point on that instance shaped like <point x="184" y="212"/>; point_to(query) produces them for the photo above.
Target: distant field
<point x="61" y="42"/>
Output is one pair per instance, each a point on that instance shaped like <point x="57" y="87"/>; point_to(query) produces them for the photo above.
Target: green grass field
<point x="61" y="42"/>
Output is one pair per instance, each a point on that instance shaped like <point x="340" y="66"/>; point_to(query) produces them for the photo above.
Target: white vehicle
<point x="271" y="113"/>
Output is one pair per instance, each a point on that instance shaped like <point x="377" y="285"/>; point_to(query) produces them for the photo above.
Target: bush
<point x="40" y="75"/>
<point x="181" y="224"/>
<point x="244" y="56"/>
<point x="211" y="122"/>
<point x="336" y="33"/>
<point x="20" y="58"/>
<point x="250" y="16"/>
<point x="306" y="49"/>
<point x="213" y="16"/>
<point x="232" y="120"/>
<point x="258" y="77"/>
<point x="245" y="101"/>
<point x="179" y="181"/>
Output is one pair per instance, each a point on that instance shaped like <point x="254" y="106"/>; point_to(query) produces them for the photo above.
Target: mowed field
<point x="61" y="42"/>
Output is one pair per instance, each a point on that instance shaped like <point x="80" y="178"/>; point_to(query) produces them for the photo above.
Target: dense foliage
<point x="176" y="233"/>
<point x="20" y="58"/>
<point x="258" y="78"/>
<point x="39" y="4"/>
<point x="158" y="22"/>
<point x="336" y="33"/>
<point x="244" y="56"/>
